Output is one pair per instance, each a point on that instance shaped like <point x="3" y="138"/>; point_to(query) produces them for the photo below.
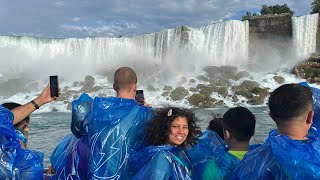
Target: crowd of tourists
<point x="116" y="138"/>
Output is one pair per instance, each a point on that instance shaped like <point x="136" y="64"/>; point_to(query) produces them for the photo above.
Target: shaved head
<point x="124" y="78"/>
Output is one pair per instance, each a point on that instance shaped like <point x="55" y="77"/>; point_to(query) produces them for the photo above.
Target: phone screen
<point x="54" y="86"/>
<point x="139" y="97"/>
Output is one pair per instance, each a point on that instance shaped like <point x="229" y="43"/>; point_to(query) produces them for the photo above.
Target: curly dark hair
<point x="159" y="127"/>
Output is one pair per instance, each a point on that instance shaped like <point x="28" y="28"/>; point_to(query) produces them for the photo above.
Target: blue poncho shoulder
<point x="281" y="158"/>
<point x="316" y="105"/>
<point x="70" y="159"/>
<point x="210" y="157"/>
<point x="161" y="162"/>
<point x="15" y="162"/>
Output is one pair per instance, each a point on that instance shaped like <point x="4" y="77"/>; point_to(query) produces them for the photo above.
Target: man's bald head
<point x="124" y="79"/>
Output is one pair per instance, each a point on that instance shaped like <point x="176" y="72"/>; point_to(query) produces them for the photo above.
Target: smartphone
<point x="54" y="86"/>
<point x="139" y="97"/>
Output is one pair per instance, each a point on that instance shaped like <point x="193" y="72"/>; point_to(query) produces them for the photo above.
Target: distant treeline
<point x="280" y="9"/>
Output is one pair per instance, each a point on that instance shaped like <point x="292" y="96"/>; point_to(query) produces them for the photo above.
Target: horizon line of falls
<point x="224" y="43"/>
<point x="304" y="32"/>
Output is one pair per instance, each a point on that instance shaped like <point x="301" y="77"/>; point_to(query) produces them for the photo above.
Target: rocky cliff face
<point x="270" y="33"/>
<point x="271" y="24"/>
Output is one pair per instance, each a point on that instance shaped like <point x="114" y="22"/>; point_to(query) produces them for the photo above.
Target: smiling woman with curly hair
<point x="165" y="129"/>
<point x="170" y="132"/>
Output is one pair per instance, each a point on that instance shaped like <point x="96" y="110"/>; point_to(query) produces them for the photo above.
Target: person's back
<point x="289" y="153"/>
<point x="113" y="126"/>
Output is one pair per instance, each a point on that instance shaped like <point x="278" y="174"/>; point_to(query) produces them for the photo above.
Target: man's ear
<point x="114" y="87"/>
<point x="226" y="134"/>
<point x="134" y="87"/>
<point x="310" y="117"/>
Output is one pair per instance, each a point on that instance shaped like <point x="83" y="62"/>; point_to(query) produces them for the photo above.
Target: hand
<point x="45" y="96"/>
<point x="145" y="103"/>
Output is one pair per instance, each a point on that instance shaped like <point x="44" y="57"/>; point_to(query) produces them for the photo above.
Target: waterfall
<point x="304" y="34"/>
<point x="224" y="43"/>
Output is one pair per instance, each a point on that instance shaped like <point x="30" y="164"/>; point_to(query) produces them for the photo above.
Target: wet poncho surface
<point x="281" y="158"/>
<point x="15" y="162"/>
<point x="316" y="105"/>
<point x="210" y="158"/>
<point x="161" y="163"/>
<point x="111" y="127"/>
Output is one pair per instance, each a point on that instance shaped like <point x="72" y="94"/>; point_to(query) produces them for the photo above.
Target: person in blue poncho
<point x="105" y="131"/>
<point x="17" y="162"/>
<point x="212" y="157"/>
<point x="291" y="153"/>
<point x="169" y="133"/>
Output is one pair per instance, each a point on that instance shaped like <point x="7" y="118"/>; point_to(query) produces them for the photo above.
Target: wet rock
<point x="244" y="94"/>
<point x="263" y="92"/>
<point x="218" y="82"/>
<point x="309" y="69"/>
<point x="279" y="79"/>
<point x="167" y="88"/>
<point x="62" y="97"/>
<point x="88" y="85"/>
<point x="193" y="89"/>
<point x="203" y="78"/>
<point x="256" y="100"/>
<point x="12" y="86"/>
<point x="69" y="106"/>
<point x="192" y="80"/>
<point x="76" y="83"/>
<point x="151" y="88"/>
<point x="165" y="94"/>
<point x="220" y="103"/>
<point x="242" y="74"/>
<point x="179" y="93"/>
<point x="200" y="86"/>
<point x="235" y="98"/>
<point x="223" y="91"/>
<point x="70" y="92"/>
<point x="54" y="110"/>
<point x="223" y="72"/>
<point x="246" y="85"/>
<point x="201" y="100"/>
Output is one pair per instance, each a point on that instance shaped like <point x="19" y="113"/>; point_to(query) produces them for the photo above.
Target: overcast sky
<point x="82" y="18"/>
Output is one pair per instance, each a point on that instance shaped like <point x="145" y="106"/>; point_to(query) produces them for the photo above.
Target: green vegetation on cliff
<point x="268" y="10"/>
<point x="315" y="6"/>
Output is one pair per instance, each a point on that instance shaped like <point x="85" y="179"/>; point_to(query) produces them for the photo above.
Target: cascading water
<point x="217" y="44"/>
<point x="173" y="57"/>
<point x="304" y="34"/>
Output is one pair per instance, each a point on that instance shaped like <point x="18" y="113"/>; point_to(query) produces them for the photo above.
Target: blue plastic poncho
<point x="316" y="105"/>
<point x="70" y="159"/>
<point x="16" y="162"/>
<point x="210" y="157"/>
<point x="104" y="129"/>
<point x="281" y="158"/>
<point x="161" y="162"/>
<point x="115" y="127"/>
